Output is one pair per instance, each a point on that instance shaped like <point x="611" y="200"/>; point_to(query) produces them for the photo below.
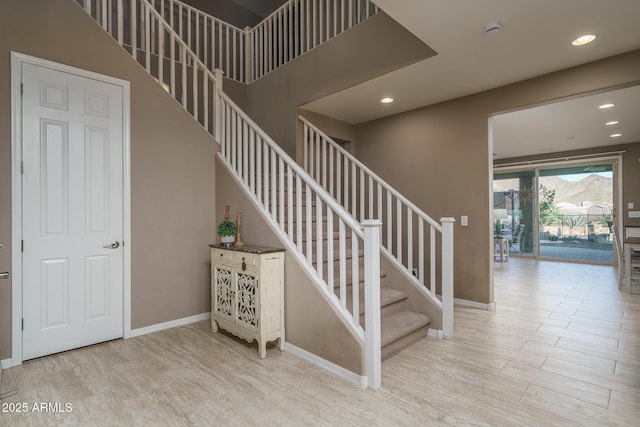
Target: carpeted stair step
<point x="402" y="329"/>
<point x="388" y="297"/>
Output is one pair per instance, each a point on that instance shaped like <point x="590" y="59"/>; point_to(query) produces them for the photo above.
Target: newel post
<point x="372" y="336"/>
<point x="217" y="74"/>
<point x="447" y="276"/>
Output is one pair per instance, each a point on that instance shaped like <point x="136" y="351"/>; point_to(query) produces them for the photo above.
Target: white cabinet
<point x="632" y="267"/>
<point x="247" y="293"/>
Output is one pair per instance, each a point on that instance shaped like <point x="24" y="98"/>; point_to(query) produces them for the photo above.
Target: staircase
<point x="341" y="255"/>
<point x="400" y="327"/>
<point x="365" y="195"/>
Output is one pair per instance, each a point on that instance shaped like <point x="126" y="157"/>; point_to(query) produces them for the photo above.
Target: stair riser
<point x="385" y="311"/>
<point x="404" y="342"/>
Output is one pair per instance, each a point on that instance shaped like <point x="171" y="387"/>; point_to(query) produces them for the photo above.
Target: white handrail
<point x="364" y="195"/>
<point x="297" y="169"/>
<point x="262" y="166"/>
<point x="288" y="195"/>
<point x="218" y="44"/>
<point x="140" y="30"/>
<point x="293" y="29"/>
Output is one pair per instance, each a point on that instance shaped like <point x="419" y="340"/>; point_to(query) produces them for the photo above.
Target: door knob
<point x="5" y="275"/>
<point x="113" y="245"/>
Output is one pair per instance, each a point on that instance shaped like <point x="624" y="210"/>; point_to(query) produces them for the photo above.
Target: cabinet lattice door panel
<point x="223" y="302"/>
<point x="247" y="293"/>
<point x="246" y="305"/>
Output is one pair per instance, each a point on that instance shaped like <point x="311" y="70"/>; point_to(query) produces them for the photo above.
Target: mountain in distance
<point x="593" y="188"/>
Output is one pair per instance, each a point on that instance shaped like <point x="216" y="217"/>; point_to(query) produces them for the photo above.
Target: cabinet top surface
<point x="253" y="249"/>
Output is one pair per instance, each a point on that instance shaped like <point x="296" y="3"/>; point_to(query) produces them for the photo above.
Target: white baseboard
<point x="436" y="333"/>
<point x="6" y="363"/>
<point x="474" y="304"/>
<point x="332" y="368"/>
<point x="171" y="324"/>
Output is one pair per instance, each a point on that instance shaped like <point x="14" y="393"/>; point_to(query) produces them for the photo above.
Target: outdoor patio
<point x="587" y="251"/>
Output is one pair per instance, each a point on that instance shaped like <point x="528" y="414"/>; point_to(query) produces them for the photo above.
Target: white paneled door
<point x="72" y="184"/>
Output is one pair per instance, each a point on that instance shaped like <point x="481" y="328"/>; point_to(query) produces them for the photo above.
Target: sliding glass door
<point x="576" y="212"/>
<point x="562" y="212"/>
<point x="514" y="210"/>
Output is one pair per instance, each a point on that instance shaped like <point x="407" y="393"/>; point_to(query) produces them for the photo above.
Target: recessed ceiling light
<point x="605" y="106"/>
<point x="584" y="39"/>
<point x="386" y="100"/>
<point x="615" y="135"/>
<point x="612" y="122"/>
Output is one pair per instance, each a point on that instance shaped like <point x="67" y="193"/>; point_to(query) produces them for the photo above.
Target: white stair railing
<point x="219" y="45"/>
<point x="142" y="32"/>
<point x="410" y="237"/>
<point x="290" y="199"/>
<point x="298" y="206"/>
<point x="246" y="55"/>
<point x="299" y="26"/>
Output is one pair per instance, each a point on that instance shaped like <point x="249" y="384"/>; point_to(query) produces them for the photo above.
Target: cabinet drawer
<point x="251" y="260"/>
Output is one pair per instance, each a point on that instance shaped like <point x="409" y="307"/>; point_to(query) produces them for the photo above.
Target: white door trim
<point x="17" y="59"/>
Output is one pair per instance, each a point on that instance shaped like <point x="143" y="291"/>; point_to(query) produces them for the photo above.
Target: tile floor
<point x="561" y="348"/>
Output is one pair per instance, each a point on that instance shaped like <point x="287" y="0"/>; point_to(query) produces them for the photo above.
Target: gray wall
<point x="172" y="165"/>
<point x="439" y="157"/>
<point x="311" y="322"/>
<point x="366" y="51"/>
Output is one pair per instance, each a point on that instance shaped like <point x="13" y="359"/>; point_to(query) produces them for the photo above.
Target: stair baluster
<point x="145" y="35"/>
<point x="364" y="195"/>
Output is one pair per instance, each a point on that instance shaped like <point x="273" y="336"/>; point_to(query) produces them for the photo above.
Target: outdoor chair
<point x="517" y="238"/>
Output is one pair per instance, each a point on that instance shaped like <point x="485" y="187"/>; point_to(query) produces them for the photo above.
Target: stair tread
<point x="348" y="256"/>
<point x="401" y="324"/>
<point x="388" y="296"/>
<point x="336" y="236"/>
<point x="349" y="276"/>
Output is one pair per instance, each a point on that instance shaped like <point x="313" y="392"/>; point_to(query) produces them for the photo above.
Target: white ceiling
<point x="568" y="125"/>
<point x="535" y="40"/>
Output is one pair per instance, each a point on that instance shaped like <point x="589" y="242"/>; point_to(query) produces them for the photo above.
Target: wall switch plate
<point x="634" y="214"/>
<point x="464" y="220"/>
<point x="630" y="205"/>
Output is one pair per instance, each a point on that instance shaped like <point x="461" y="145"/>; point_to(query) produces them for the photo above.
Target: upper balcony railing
<point x="299" y="26"/>
<point x="247" y="54"/>
<point x="218" y="44"/>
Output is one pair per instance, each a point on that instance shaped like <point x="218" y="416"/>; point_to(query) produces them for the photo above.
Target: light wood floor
<point x="562" y="348"/>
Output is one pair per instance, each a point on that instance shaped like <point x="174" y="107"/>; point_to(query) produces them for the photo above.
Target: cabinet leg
<point x="281" y="343"/>
<point x="214" y="326"/>
<point x="262" y="350"/>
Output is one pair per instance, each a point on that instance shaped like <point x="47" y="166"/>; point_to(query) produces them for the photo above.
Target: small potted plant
<point x="227" y="230"/>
